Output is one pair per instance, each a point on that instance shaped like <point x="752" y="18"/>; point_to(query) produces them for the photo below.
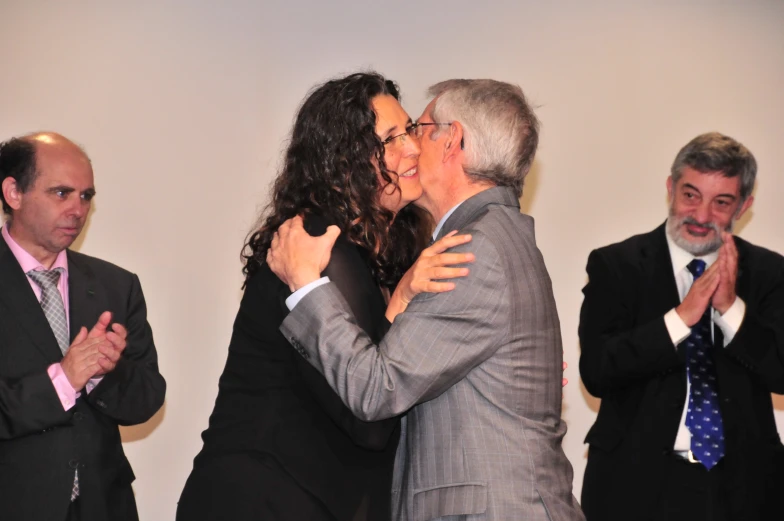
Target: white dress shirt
<point x="729" y="323"/>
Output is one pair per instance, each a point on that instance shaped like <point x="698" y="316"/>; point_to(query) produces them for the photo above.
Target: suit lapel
<point x="83" y="297"/>
<point x="663" y="289"/>
<point x="741" y="285"/>
<point x="468" y="211"/>
<point x="657" y="264"/>
<point x="742" y="281"/>
<point x="19" y="299"/>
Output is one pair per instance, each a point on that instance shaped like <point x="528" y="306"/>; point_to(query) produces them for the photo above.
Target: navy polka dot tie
<point x="703" y="417"/>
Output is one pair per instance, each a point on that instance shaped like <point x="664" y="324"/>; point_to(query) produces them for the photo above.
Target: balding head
<point x="22" y="158"/>
<point x="47" y="189"/>
<point x="54" y="140"/>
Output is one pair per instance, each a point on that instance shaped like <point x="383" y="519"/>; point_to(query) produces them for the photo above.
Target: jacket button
<point x="78" y="416"/>
<point x="101" y="404"/>
<point x="73" y="463"/>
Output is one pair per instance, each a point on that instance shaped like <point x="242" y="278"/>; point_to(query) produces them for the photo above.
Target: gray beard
<point x="698" y="249"/>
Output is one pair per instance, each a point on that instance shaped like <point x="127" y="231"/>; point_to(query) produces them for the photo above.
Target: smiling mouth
<point x="698" y="231"/>
<point x="409" y="173"/>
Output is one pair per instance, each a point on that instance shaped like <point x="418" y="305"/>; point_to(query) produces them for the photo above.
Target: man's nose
<point x="79" y="208"/>
<point x="702" y="212"/>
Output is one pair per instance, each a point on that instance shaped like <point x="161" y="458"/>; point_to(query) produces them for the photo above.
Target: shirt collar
<point x="681" y="258"/>
<point x="27" y="261"/>
<point x="443" y="220"/>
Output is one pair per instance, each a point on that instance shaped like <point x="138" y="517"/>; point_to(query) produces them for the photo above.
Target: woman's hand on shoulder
<point x="433" y="265"/>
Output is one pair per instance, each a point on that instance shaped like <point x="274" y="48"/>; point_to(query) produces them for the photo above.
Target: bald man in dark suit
<point x="77" y="357"/>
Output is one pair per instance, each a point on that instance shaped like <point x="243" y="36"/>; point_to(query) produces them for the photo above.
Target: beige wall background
<point x="185" y="108"/>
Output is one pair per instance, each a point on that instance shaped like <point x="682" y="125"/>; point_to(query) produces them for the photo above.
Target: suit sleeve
<point x="758" y="345"/>
<point x="431" y="346"/>
<point x="342" y="271"/>
<point x="135" y="390"/>
<point x="29" y="404"/>
<point x="617" y="351"/>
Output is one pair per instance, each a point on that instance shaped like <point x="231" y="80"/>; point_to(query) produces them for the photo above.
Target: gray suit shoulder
<point x="499" y="221"/>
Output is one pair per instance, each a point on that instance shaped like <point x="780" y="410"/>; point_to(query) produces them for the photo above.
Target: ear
<point x="11" y="193"/>
<point x="745" y="206"/>
<point x="453" y="147"/>
<point x="670" y="188"/>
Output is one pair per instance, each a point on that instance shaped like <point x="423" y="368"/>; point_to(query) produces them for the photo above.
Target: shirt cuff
<point x="65" y="392"/>
<point x="730" y="321"/>
<point x="91" y="383"/>
<point x="298" y="295"/>
<point x="676" y="327"/>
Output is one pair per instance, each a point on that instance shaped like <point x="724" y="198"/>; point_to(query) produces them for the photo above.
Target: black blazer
<point x="40" y="443"/>
<point x="273" y="405"/>
<point x="628" y="361"/>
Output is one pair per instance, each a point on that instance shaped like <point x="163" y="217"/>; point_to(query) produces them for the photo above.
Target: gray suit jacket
<point x="478" y="370"/>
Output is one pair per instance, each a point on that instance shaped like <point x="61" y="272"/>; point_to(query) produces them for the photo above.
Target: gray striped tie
<point x="54" y="310"/>
<point x="52" y="304"/>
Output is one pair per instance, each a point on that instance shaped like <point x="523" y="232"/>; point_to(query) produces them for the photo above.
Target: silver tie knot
<point x="45" y="278"/>
<point x="52" y="304"/>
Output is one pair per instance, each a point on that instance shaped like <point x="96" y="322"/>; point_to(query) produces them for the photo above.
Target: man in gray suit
<point x="477" y="369"/>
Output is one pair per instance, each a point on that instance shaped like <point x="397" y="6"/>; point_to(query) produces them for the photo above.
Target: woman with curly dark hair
<point x="280" y="444"/>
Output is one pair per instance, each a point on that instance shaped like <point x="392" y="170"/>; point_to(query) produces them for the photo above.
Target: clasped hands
<point x="716" y="287"/>
<point x="94" y="353"/>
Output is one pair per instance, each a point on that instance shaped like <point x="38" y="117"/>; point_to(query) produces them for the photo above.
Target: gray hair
<point x="500" y="129"/>
<point x="715" y="152"/>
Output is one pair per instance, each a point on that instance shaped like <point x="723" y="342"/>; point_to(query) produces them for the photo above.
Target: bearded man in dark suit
<point x="682" y="334"/>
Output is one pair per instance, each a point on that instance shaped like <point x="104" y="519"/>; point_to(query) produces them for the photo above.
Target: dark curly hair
<point x="330" y="171"/>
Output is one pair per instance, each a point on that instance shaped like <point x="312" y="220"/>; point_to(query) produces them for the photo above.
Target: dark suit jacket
<point x="40" y="443"/>
<point x="272" y="405"/>
<point x="628" y="361"/>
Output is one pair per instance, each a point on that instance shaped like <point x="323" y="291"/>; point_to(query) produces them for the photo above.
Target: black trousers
<point x="693" y="493"/>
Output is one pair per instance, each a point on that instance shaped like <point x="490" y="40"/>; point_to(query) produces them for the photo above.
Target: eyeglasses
<point x="399" y="139"/>
<point x="420" y="133"/>
<point x="418" y="126"/>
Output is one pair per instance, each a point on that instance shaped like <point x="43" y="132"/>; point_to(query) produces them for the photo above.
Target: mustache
<point x="695" y="222"/>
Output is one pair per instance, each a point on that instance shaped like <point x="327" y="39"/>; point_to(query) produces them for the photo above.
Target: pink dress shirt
<point x="65" y="391"/>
